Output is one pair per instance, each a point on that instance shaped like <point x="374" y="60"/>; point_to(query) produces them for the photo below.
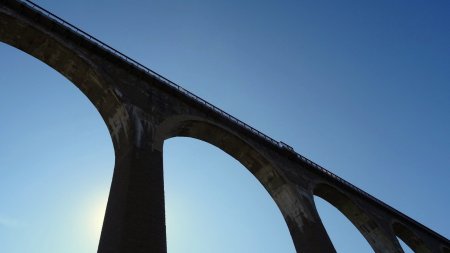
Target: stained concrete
<point x="141" y="111"/>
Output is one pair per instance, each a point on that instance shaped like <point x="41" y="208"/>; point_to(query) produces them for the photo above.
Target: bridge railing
<point x="278" y="144"/>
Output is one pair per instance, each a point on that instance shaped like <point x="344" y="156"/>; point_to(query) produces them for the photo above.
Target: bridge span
<point x="142" y="109"/>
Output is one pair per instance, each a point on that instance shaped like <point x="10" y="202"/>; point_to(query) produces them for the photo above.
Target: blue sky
<point x="360" y="87"/>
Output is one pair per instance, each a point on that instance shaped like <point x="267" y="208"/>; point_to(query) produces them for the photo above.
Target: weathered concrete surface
<point x="141" y="111"/>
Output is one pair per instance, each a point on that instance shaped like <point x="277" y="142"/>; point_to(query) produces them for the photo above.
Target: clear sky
<point x="360" y="87"/>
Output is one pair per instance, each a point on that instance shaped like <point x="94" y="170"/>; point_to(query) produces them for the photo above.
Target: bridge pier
<point x="135" y="219"/>
<point x="303" y="220"/>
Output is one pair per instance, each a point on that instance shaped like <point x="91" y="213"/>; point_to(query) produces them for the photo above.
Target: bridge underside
<point x="142" y="110"/>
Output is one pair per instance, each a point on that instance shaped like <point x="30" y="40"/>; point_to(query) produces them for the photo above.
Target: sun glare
<point x="95" y="218"/>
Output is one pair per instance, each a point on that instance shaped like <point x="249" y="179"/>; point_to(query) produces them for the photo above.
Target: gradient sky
<point x="360" y="87"/>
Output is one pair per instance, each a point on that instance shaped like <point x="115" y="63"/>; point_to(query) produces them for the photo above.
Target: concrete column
<point x="306" y="228"/>
<point x="135" y="220"/>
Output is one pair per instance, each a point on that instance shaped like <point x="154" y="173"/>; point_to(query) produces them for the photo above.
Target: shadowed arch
<point x="355" y="214"/>
<point x="213" y="202"/>
<point x="75" y="59"/>
<point x="226" y="140"/>
<point x="445" y="250"/>
<point x="410" y="239"/>
<point x="66" y="57"/>
<point x="55" y="142"/>
<point x="248" y="155"/>
<point x="339" y="228"/>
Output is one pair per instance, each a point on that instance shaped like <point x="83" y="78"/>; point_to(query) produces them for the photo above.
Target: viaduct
<point x="142" y="109"/>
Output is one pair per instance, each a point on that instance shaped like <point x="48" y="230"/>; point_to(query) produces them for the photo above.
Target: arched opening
<point x="407" y="237"/>
<point x="56" y="160"/>
<point x="214" y="204"/>
<point x="445" y="250"/>
<point x="366" y="225"/>
<point x="405" y="247"/>
<point x="344" y="235"/>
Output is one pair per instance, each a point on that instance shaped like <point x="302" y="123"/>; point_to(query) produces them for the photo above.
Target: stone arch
<point x="67" y="58"/>
<point x="59" y="137"/>
<point x="210" y="196"/>
<point x="74" y="58"/>
<point x="409" y="238"/>
<point x="339" y="228"/>
<point x="294" y="204"/>
<point x="365" y="223"/>
<point x="227" y="140"/>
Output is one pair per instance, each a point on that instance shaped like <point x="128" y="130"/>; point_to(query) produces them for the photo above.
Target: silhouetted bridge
<point x="142" y="109"/>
